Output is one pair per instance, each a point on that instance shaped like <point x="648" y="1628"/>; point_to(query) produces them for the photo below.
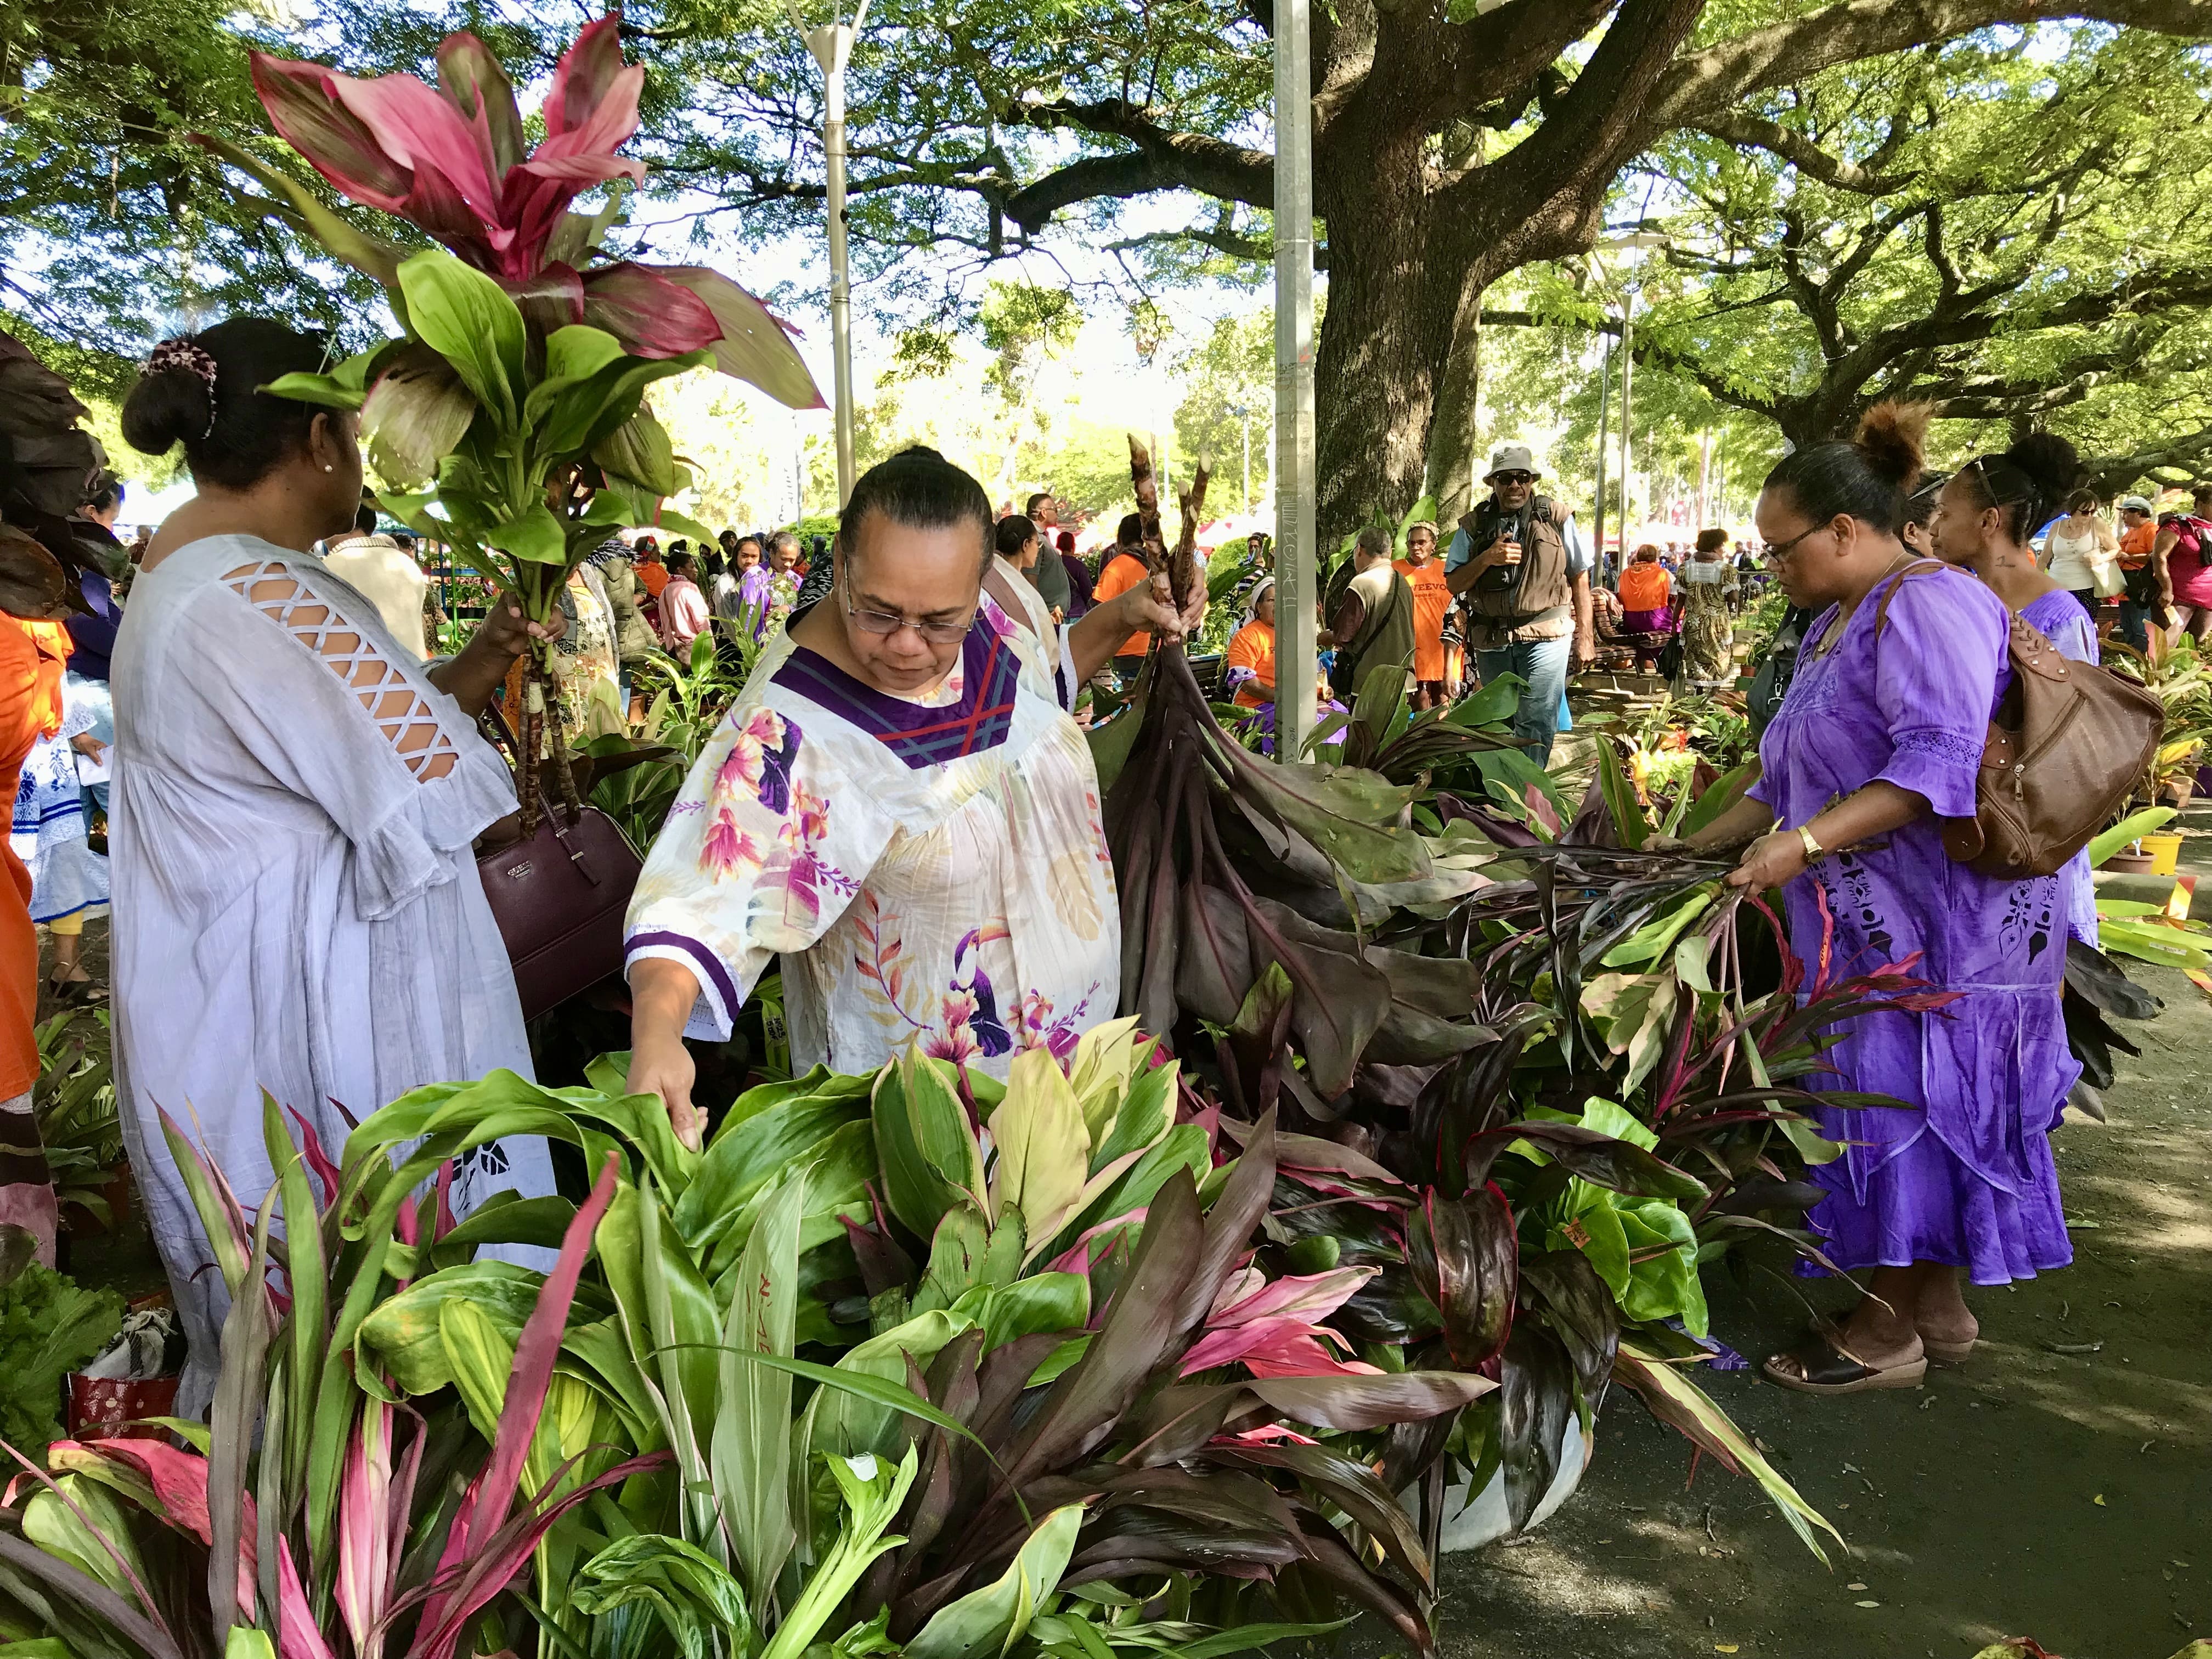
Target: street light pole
<point x="832" y="46"/>
<point x="1627" y="368"/>
<point x="1294" y="378"/>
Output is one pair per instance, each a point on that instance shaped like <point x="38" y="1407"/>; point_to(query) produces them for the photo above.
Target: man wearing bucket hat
<point x="1521" y="572"/>
<point x="2138" y="535"/>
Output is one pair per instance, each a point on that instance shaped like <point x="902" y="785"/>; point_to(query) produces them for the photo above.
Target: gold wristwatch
<point x="1813" y="851"/>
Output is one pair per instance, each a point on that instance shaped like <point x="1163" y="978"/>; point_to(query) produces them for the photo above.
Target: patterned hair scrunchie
<point x="193" y="359"/>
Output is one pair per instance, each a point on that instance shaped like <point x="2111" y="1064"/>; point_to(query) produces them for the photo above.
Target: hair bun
<point x="170" y="405"/>
<point x="2050" y="462"/>
<point x="1893" y="436"/>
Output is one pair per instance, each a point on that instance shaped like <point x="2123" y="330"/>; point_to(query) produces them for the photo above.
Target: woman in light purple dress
<point x="1982" y="522"/>
<point x="1880" y="735"/>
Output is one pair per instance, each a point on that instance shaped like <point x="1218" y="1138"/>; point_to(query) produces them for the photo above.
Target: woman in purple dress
<point x="1880" y="737"/>
<point x="1982" y="523"/>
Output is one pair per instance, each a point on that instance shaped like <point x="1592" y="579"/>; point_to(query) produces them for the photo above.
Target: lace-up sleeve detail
<point x="402" y="715"/>
<point x="301" y="670"/>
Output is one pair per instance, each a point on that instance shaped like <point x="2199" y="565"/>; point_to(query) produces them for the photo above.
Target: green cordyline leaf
<point x="751" y="1445"/>
<point x="307" y="1278"/>
<point x="321" y="389"/>
<point x="468" y="319"/>
<point x="872" y="1494"/>
<point x="1675" y="1400"/>
<point x="987" y="1623"/>
<point x="2129" y="828"/>
<point x="415" y="416"/>
<point x="639" y="451"/>
<point x="535" y="537"/>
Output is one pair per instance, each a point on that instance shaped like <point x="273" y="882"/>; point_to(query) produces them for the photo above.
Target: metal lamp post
<point x="1294" y="378"/>
<point x="1642" y="239"/>
<point x="832" y="46"/>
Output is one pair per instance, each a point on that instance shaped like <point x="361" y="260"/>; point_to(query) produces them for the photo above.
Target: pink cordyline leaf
<point x="649" y="314"/>
<point x="424" y="133"/>
<point x="756" y="347"/>
<point x="585" y="76"/>
<point x="364" y="1565"/>
<point x="475" y="83"/>
<point x="1265" y="1434"/>
<point x="336" y="142"/>
<point x="1272" y="1347"/>
<point x="1077" y="1258"/>
<point x="318" y="1156"/>
<point x="297" y="1634"/>
<point x="1247" y="1280"/>
<point x="1307" y="1296"/>
<point x="483" y="1508"/>
<point x="466" y="1587"/>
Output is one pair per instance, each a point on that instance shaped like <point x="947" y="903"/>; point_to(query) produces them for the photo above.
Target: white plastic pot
<point x="1473" y="1520"/>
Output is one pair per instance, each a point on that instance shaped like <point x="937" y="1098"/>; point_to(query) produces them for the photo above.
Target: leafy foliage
<point x="49" y="1326"/>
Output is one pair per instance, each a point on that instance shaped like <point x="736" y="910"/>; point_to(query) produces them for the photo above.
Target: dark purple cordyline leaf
<point x="1350" y="1487"/>
<point x="1581" y="1311"/>
<point x="1466" y="1255"/>
<point x="1140" y="1326"/>
<point x="1370" y="1402"/>
<point x="1599" y="1159"/>
<point x="1536" y="1403"/>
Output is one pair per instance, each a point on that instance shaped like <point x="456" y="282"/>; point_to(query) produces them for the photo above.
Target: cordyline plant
<point x="510" y="415"/>
<point x="1061" y="1434"/>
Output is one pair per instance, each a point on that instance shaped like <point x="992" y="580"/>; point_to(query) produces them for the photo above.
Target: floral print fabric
<point x="955" y="892"/>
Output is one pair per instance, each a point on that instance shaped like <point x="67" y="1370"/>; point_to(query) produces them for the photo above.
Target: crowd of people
<point x="257" y="735"/>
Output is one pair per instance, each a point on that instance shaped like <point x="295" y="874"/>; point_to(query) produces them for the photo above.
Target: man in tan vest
<point x="1521" y="573"/>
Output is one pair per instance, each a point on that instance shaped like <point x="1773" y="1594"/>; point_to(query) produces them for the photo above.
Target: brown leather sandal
<point x="1825" y="1367"/>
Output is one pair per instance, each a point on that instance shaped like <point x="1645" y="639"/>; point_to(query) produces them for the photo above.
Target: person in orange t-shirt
<point x="2138" y="535"/>
<point x="1248" y="670"/>
<point x="1436" y="674"/>
<point x="30" y="706"/>
<point x="1125" y="570"/>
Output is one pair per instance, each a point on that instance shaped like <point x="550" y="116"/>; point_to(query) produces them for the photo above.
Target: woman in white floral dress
<point x="901" y="805"/>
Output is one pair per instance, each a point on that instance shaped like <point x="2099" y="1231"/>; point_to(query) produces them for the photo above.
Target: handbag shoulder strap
<point x="1918" y="566"/>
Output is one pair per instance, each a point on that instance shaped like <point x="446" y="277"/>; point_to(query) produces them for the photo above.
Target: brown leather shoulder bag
<point x="2069" y="742"/>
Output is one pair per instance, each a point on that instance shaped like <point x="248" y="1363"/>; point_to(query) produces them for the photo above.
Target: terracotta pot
<point x="2129" y="864"/>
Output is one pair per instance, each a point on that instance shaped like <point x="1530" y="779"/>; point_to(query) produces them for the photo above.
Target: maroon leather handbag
<point x="559" y="898"/>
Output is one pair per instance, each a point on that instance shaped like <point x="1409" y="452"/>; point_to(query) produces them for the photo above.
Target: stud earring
<point x="327" y="467"/>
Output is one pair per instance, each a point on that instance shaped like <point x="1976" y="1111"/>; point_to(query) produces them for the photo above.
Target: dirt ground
<point x="2062" y="1495"/>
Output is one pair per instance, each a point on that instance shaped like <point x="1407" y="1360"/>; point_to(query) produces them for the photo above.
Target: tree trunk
<point x="1455" y="431"/>
<point x="1375" y="363"/>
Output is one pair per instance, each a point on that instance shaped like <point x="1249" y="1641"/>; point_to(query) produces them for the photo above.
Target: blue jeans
<point x="1543" y="665"/>
<point x="2135" y="622"/>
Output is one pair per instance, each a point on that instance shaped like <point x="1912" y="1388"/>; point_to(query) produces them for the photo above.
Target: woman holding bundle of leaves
<point x="297" y="906"/>
<point x="1880" y="737"/>
<point x="899" y="803"/>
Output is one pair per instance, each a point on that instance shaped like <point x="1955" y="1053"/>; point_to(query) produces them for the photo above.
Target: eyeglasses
<point x="884" y="623"/>
<point x="1776" y="551"/>
<point x="1513" y="478"/>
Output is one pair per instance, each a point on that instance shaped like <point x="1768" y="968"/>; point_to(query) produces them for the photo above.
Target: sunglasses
<point x="1513" y="478"/>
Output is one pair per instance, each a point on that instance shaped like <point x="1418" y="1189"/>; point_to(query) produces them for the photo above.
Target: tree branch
<point x="1787" y="53"/>
<point x="1169" y="161"/>
<point x="1753" y="132"/>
